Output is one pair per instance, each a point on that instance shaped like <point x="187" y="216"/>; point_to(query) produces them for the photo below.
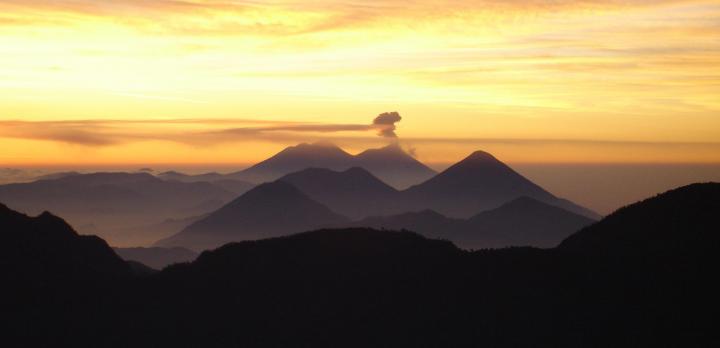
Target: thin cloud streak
<point x="116" y="132"/>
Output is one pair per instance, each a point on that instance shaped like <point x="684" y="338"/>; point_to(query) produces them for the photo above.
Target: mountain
<point x="57" y="175"/>
<point x="663" y="225"/>
<point x="521" y="222"/>
<point x="156" y="258"/>
<point x="477" y="183"/>
<point x="44" y="251"/>
<point x="114" y="202"/>
<point x="219" y="180"/>
<point x="391" y="164"/>
<point x="428" y="223"/>
<point x="296" y="158"/>
<point x="642" y="277"/>
<point x="237" y="187"/>
<point x="354" y="193"/>
<point x="399" y="289"/>
<point x="182" y="177"/>
<point x="268" y="210"/>
<point x="49" y="274"/>
<point x="395" y="166"/>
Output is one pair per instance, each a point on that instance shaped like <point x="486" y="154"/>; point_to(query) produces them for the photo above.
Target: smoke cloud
<point x="100" y="133"/>
<point x="386" y="124"/>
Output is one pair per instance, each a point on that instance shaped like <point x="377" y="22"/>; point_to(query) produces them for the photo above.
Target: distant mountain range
<point x="521" y="222"/>
<point x="136" y="209"/>
<point x="643" y="277"/>
<point x="391" y="164"/>
<point x="110" y="204"/>
<point x="479" y="182"/>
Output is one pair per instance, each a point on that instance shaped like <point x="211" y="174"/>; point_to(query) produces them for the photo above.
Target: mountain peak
<point x="394" y="165"/>
<point x="269" y="210"/>
<point x="480" y="156"/>
<point x="393" y="149"/>
<point x="359" y="171"/>
<point x="274" y="189"/>
<point x="316" y="146"/>
<point x="323" y="143"/>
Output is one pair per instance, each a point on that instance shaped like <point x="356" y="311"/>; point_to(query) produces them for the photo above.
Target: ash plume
<point x="386" y="124"/>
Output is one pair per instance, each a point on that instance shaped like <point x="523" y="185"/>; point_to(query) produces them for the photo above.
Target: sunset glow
<point x="230" y="81"/>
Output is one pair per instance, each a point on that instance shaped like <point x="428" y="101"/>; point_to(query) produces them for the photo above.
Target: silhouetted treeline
<point x="642" y="277"/>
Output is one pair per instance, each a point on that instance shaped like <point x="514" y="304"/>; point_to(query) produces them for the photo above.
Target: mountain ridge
<point x="268" y="210"/>
<point x="520" y="222"/>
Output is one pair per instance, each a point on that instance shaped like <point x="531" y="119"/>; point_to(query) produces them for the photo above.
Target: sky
<point x="222" y="81"/>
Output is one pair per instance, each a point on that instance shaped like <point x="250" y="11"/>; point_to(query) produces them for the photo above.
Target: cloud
<point x="386" y="124"/>
<point x="281" y="18"/>
<point x="109" y="133"/>
<point x="98" y="133"/>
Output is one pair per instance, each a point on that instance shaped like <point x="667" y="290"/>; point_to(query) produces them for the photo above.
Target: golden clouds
<point x="586" y="69"/>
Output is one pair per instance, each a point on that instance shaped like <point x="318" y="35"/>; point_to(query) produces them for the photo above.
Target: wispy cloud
<point x="280" y="17"/>
<point x="101" y="133"/>
<point x="115" y="132"/>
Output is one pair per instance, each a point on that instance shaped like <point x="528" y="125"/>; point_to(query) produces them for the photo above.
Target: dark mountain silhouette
<point x="477" y="183"/>
<point x="662" y="225"/>
<point x="395" y="166"/>
<point x="45" y="249"/>
<point x="642" y="277"/>
<point x="115" y="202"/>
<point x="269" y="210"/>
<point x="48" y="274"/>
<point x="354" y="192"/>
<point x="156" y="258"/>
<point x="521" y="222"/>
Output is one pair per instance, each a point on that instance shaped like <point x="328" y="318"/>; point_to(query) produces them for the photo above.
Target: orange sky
<point x="173" y="81"/>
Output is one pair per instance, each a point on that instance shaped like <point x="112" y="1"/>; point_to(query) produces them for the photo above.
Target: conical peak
<point x="480" y="156"/>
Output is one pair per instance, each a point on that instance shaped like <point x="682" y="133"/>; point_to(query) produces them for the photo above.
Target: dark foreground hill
<point x="642" y="277"/>
<point x="43" y="251"/>
<point x="50" y="274"/>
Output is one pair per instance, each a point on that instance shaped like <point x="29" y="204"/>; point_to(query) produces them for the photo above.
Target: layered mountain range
<point x="391" y="164"/>
<point x="125" y="208"/>
<point x="317" y="185"/>
<point x="641" y="277"/>
<point x="477" y="184"/>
